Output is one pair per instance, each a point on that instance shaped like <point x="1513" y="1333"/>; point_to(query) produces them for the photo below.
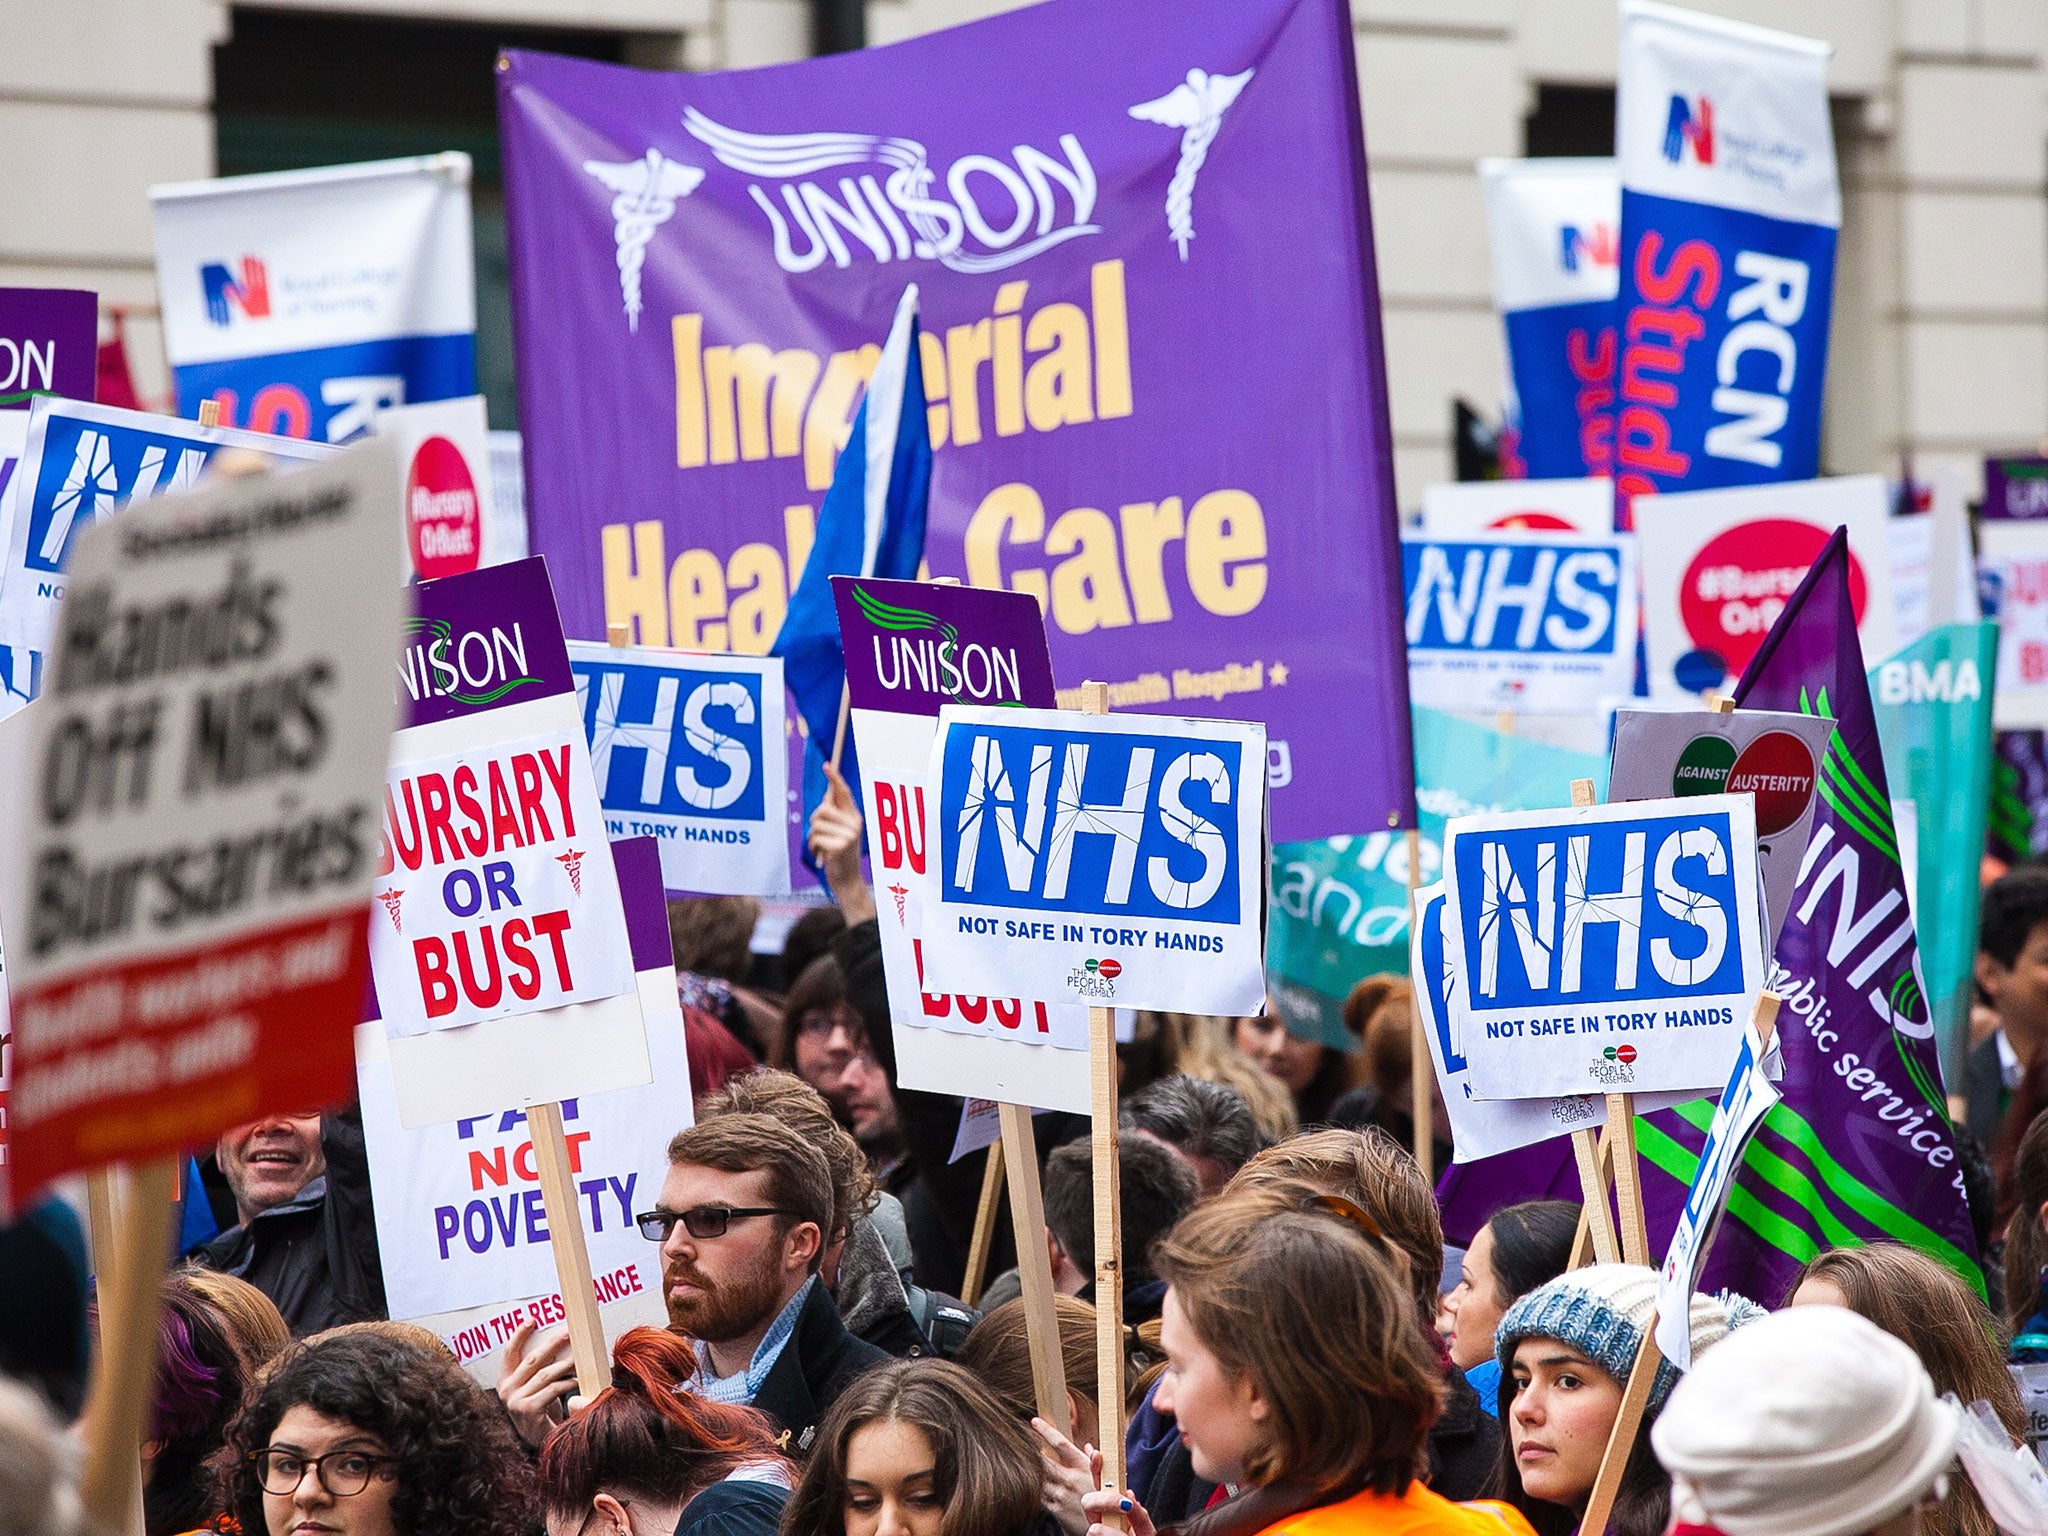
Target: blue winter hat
<point x="1602" y="1310"/>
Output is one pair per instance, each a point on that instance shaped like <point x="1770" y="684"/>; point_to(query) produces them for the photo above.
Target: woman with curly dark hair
<point x="362" y="1435"/>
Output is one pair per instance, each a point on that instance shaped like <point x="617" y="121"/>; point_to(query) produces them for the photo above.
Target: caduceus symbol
<point x="1196" y="108"/>
<point x="646" y="190"/>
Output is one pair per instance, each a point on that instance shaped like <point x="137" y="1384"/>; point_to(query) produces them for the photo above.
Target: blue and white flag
<point x="688" y="750"/>
<point x="1729" y="213"/>
<point x="81" y="462"/>
<point x="1555" y="226"/>
<point x="871" y="524"/>
<point x="304" y="302"/>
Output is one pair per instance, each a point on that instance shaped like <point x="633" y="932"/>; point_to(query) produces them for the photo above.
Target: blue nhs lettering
<point x="677" y="743"/>
<point x="88" y="471"/>
<point x="1521" y="598"/>
<point x="1607" y="913"/>
<point x="1131" y="826"/>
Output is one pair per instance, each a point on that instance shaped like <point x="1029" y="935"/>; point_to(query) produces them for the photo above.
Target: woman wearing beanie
<point x="1565" y="1350"/>
<point x="1814" y="1422"/>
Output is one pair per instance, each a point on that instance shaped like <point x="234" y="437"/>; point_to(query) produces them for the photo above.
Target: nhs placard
<point x="690" y="749"/>
<point x="1610" y="949"/>
<point x="1535" y="623"/>
<point x="1104" y="860"/>
<point x="81" y="462"/>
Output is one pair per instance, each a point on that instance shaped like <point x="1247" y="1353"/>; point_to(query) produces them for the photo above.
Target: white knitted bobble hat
<point x="1811" y="1422"/>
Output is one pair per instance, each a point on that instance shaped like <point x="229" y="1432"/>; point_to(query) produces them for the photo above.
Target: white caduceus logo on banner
<point x="646" y="190"/>
<point x="1195" y="107"/>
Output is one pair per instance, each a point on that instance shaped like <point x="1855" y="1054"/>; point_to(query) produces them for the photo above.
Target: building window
<point x="1570" y="120"/>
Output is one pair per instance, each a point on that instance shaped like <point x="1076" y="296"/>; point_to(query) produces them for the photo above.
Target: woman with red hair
<point x="647" y="1458"/>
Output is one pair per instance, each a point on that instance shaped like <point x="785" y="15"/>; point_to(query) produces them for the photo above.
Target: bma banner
<point x="1608" y="949"/>
<point x="1555" y="226"/>
<point x="911" y="649"/>
<point x="703" y="263"/>
<point x="1470" y="507"/>
<point x="461" y="1227"/>
<point x="1774" y="758"/>
<point x="494" y="890"/>
<point x="1528" y="623"/>
<point x="1099" y="859"/>
<point x="689" y="750"/>
<point x="1729" y="213"/>
<point x="1338" y="907"/>
<point x="1718" y="567"/>
<point x="195" y="833"/>
<point x="305" y="302"/>
<point x="80" y="463"/>
<point x="1933" y="707"/>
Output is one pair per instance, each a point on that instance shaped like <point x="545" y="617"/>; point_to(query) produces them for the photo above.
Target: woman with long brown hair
<point x="2026" y="1246"/>
<point x="647" y="1459"/>
<point x="919" y="1448"/>
<point x="1924" y="1305"/>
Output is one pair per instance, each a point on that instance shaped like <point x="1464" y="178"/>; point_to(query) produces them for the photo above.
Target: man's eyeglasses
<point x="700" y="1221"/>
<point x="342" y="1473"/>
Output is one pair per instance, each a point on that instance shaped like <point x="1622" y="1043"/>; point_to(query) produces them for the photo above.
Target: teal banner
<point x="1933" y="706"/>
<point x="1339" y="905"/>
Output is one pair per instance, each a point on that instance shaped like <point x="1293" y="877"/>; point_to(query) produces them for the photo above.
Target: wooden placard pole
<point x="124" y="1370"/>
<point x="209" y="413"/>
<point x="1109" y="1218"/>
<point x="985" y="1227"/>
<point x="1420" y="1073"/>
<point x="1642" y="1375"/>
<point x="572" y="1255"/>
<point x="1034" y="1267"/>
<point x="1596" y="1157"/>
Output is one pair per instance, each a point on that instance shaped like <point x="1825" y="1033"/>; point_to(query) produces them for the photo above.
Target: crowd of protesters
<point x="1303" y="1353"/>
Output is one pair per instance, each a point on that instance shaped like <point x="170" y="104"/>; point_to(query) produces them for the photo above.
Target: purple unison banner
<point x="49" y="344"/>
<point x="913" y="647"/>
<point x="1152" y="351"/>
<point x="483" y="640"/>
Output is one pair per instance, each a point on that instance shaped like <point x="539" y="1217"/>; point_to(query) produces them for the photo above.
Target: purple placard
<point x="480" y="641"/>
<point x="2015" y="488"/>
<point x="913" y="647"/>
<point x="49" y="345"/>
<point x="638" y="862"/>
<point x="1152" y="351"/>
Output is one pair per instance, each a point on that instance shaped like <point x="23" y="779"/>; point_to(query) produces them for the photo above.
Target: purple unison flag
<point x="1861" y="1149"/>
<point x="49" y="344"/>
<point x="1152" y="351"/>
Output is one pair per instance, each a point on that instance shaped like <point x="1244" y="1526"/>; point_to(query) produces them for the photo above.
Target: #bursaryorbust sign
<point x="1105" y="860"/>
<point x="195" y="816"/>
<point x="1607" y="949"/>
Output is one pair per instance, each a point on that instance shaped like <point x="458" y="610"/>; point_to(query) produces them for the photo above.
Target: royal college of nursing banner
<point x="305" y="302"/>
<point x="1554" y="226"/>
<point x="1128" y="224"/>
<point x="1729" y="212"/>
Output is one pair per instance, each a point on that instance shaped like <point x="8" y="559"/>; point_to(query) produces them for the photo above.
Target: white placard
<point x="1115" y="859"/>
<point x="1533" y="506"/>
<point x="451" y="521"/>
<point x="1534" y="623"/>
<point x="2013" y="559"/>
<point x="1718" y="567"/>
<point x="690" y="749"/>
<point x="1607" y="949"/>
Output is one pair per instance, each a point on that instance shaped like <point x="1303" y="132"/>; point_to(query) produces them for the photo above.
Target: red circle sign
<point x="1778" y="770"/>
<point x="443" y="524"/>
<point x="1625" y="1054"/>
<point x="1737" y="584"/>
<point x="1544" y="522"/>
<point x="1110" y="969"/>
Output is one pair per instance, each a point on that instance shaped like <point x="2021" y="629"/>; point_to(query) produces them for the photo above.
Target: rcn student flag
<point x="304" y="302"/>
<point x="872" y="524"/>
<point x="1860" y="1150"/>
<point x="1729" y="211"/>
<point x="1555" y="230"/>
<point x="701" y="264"/>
